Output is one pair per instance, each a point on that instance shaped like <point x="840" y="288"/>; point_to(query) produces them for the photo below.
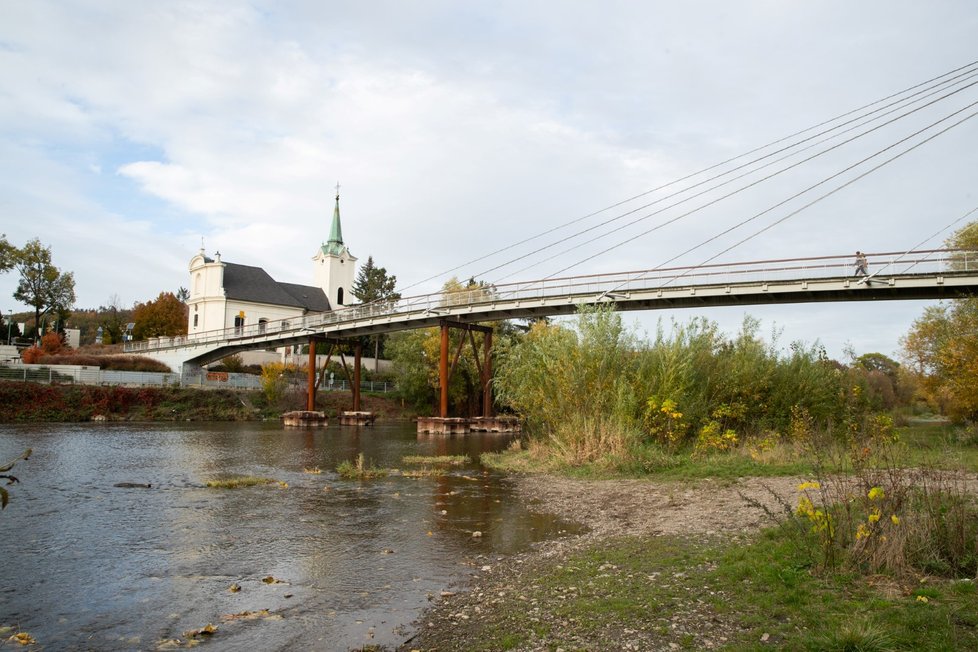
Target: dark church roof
<point x="248" y="283"/>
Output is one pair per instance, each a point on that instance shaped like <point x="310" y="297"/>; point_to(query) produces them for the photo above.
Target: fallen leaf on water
<point x="23" y="638"/>
<point x="206" y="630"/>
<point x="234" y="588"/>
<point x="283" y="485"/>
<point x="272" y="580"/>
<point x="247" y="615"/>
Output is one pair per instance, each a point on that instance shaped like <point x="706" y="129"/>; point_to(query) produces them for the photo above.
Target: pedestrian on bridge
<point x="861" y="264"/>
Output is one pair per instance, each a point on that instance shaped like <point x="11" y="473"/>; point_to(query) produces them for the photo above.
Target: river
<point x="86" y="565"/>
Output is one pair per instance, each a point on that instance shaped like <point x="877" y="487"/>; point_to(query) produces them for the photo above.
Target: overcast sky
<point x="131" y="130"/>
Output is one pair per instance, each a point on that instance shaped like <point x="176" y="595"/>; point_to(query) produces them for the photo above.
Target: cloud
<point x="454" y="129"/>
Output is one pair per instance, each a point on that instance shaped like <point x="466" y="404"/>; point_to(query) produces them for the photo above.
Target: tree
<point x="942" y="346"/>
<point x="8" y="254"/>
<point x="166" y="316"/>
<point x="183" y="294"/>
<point x="111" y="318"/>
<point x="42" y="285"/>
<point x="373" y="284"/>
<point x="965" y="240"/>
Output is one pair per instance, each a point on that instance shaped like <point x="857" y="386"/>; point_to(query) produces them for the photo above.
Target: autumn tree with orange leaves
<point x="166" y="316"/>
<point x="942" y="345"/>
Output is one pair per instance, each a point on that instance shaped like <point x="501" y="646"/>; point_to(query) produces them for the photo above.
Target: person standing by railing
<point x="861" y="264"/>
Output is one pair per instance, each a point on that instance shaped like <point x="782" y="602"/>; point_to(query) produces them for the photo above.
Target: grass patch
<point x="237" y="482"/>
<point x="359" y="470"/>
<point x="436" y="460"/>
<point x="663" y="591"/>
<point x="924" y="445"/>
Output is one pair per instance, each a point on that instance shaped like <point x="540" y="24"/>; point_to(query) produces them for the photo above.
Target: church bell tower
<point x="335" y="267"/>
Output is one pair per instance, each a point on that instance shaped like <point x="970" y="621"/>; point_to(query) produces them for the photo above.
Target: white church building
<point x="231" y="295"/>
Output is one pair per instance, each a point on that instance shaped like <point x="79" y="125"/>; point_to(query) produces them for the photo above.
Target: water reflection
<point x="90" y="566"/>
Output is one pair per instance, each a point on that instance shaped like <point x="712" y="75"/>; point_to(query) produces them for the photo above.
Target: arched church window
<point x="261" y="325"/>
<point x="339" y="296"/>
<point x="197" y="284"/>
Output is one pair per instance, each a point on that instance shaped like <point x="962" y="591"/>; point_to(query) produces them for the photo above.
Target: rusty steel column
<point x="487" y="372"/>
<point x="358" y="353"/>
<point x="311" y="396"/>
<point x="443" y="372"/>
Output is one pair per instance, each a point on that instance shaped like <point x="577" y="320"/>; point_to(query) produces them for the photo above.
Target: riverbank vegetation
<point x="599" y="396"/>
<point x="34" y="402"/>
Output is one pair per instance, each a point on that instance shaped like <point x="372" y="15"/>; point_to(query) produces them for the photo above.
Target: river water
<point x="85" y="565"/>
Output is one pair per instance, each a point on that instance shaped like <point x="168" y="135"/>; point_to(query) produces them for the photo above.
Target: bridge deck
<point x="925" y="275"/>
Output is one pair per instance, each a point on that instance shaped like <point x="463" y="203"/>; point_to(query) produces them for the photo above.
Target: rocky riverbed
<point x="610" y="510"/>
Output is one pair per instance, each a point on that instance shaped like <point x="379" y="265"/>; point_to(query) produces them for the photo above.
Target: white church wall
<point x="255" y="312"/>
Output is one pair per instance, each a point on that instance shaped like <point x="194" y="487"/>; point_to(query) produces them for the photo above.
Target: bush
<point x="875" y="517"/>
<point x="598" y="391"/>
<point x="52" y="344"/>
<point x="31" y="355"/>
<point x="107" y="362"/>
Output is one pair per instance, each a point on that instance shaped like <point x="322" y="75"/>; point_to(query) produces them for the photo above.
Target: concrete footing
<point x="304" y="418"/>
<point x="505" y="423"/>
<point x="462" y="426"/>
<point x="357" y="418"/>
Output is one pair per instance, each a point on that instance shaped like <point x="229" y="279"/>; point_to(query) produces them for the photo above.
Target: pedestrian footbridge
<point x="931" y="274"/>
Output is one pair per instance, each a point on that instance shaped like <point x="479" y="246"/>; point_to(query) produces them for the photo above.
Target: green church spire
<point x="335" y="243"/>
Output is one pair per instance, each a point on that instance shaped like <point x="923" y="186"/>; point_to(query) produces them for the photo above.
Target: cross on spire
<point x="337" y="189"/>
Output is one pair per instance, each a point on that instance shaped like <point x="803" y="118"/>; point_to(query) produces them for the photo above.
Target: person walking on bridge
<point x="861" y="264"/>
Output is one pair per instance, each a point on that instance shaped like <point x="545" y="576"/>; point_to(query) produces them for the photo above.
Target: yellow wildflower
<point x="875" y="516"/>
<point x="895" y="519"/>
<point x="805" y="507"/>
<point x="862" y="532"/>
<point x="809" y="485"/>
<point x="922" y="598"/>
<point x="876" y="492"/>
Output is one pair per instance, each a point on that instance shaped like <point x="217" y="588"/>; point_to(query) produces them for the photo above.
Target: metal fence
<point x="82" y="375"/>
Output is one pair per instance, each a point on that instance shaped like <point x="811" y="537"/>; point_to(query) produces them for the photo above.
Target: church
<point x="231" y="295"/>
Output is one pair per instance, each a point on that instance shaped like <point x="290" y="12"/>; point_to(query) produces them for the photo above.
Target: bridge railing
<point x="609" y="284"/>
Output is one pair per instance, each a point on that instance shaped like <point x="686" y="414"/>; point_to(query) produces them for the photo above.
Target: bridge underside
<point x="355" y="322"/>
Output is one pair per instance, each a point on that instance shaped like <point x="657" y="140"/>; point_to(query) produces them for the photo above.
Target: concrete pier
<point x="357" y="418"/>
<point x="304" y="419"/>
<point x="504" y="423"/>
<point x="463" y="426"/>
